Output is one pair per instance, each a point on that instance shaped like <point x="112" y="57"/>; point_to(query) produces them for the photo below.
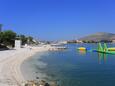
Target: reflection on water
<point x="82" y="52"/>
<point x="102" y="58"/>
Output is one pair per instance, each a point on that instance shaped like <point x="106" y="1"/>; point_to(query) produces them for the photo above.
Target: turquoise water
<point x="73" y="68"/>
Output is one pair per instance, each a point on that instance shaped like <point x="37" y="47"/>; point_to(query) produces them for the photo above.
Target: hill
<point x="99" y="36"/>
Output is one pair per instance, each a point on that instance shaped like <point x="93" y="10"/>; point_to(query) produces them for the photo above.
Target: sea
<point x="71" y="67"/>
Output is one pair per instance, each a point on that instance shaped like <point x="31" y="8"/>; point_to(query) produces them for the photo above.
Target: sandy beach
<point x="10" y="62"/>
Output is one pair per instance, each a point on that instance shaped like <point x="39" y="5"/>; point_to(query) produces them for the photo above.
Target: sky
<point x="58" y="19"/>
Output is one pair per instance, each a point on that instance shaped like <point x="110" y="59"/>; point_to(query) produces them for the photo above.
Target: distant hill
<point x="99" y="36"/>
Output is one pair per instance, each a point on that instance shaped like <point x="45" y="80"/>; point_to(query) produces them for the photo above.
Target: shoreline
<point x="10" y="64"/>
<point x="29" y="66"/>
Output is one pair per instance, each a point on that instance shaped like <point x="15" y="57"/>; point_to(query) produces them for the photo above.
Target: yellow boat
<point x="81" y="48"/>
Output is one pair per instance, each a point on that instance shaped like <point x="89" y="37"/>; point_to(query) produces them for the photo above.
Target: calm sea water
<point x="73" y="68"/>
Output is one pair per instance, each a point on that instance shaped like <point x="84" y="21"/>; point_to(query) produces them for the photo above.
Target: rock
<point x="53" y="83"/>
<point x="42" y="83"/>
<point x="47" y="84"/>
<point x="37" y="77"/>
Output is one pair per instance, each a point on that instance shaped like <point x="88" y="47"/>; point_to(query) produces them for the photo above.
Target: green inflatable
<point x="104" y="49"/>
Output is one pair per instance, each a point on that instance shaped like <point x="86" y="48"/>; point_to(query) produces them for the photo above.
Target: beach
<point x="10" y="62"/>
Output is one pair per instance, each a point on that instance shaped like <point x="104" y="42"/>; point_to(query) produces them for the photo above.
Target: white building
<point x="62" y="42"/>
<point x="113" y="41"/>
<point x="18" y="44"/>
<point x="79" y="41"/>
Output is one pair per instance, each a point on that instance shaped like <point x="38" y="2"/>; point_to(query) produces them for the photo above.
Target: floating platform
<point x="111" y="49"/>
<point x="82" y="48"/>
<point x="104" y="49"/>
<point x="106" y="52"/>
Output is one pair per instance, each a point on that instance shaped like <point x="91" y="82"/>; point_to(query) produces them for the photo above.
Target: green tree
<point x="8" y="37"/>
<point x="23" y="38"/>
<point x="30" y="40"/>
<point x="1" y="37"/>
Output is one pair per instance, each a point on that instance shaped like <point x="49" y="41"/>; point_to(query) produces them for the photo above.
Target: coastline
<point x="31" y="68"/>
<point x="10" y="63"/>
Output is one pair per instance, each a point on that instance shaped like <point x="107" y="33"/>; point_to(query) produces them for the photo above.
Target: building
<point x="0" y="27"/>
<point x="62" y="42"/>
<point x="79" y="41"/>
<point x="113" y="41"/>
<point x="18" y="44"/>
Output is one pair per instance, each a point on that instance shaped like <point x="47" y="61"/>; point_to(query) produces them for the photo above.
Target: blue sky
<point x="58" y="19"/>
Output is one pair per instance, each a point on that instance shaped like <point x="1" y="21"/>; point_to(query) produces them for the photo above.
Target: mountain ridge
<point x="99" y="36"/>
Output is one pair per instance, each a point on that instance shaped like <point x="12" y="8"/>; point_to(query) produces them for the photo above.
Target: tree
<point x="30" y="40"/>
<point x="23" y="38"/>
<point x="1" y="37"/>
<point x="8" y="37"/>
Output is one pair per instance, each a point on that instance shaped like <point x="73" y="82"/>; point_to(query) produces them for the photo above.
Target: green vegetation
<point x="8" y="38"/>
<point x="89" y="41"/>
<point x="25" y="39"/>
